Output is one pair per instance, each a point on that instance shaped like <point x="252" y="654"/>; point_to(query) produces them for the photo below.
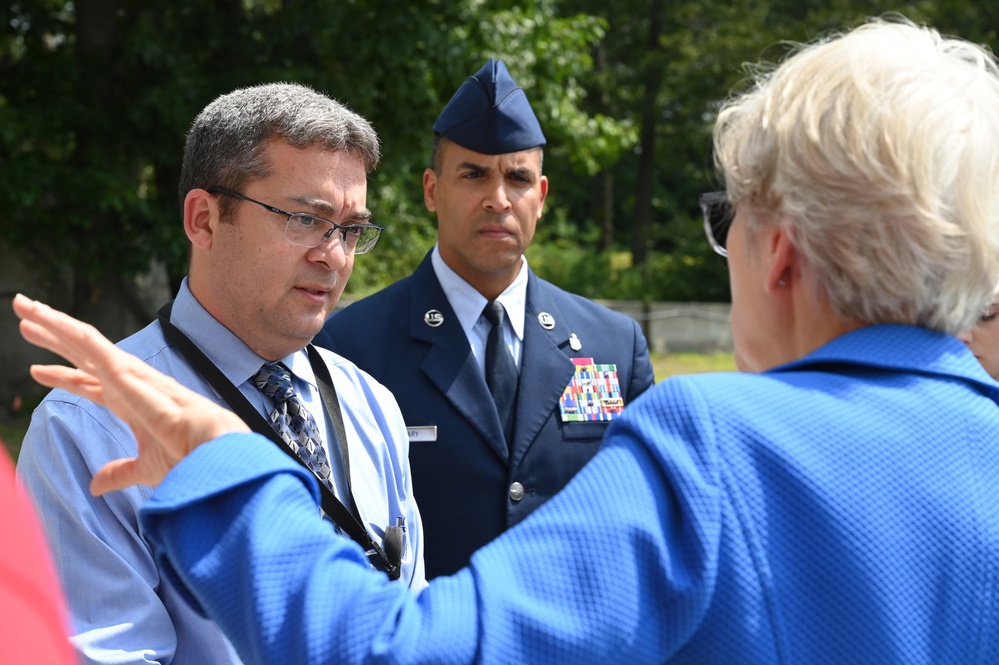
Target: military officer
<point x="506" y="382"/>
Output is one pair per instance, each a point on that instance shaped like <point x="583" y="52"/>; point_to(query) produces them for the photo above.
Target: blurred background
<point x="96" y="97"/>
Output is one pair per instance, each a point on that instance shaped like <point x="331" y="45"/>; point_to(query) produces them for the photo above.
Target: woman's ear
<point x="782" y="258"/>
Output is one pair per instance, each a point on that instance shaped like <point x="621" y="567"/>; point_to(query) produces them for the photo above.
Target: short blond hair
<point x="878" y="149"/>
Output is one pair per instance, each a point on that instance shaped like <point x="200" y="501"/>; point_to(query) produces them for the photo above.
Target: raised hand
<point x="168" y="420"/>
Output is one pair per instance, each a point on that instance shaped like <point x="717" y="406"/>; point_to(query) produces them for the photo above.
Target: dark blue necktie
<point x="292" y="421"/>
<point x="501" y="371"/>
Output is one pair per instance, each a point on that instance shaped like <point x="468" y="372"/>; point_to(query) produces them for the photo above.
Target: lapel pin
<point x="574" y="342"/>
<point x="433" y="318"/>
<point x="546" y="320"/>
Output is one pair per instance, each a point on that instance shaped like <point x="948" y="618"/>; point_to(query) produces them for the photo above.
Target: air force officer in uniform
<point x="495" y="429"/>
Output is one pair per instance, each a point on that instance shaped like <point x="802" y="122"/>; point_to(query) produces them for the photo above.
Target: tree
<point x="96" y="96"/>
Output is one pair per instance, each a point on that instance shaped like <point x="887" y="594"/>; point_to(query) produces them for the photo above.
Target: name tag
<point x="422" y="433"/>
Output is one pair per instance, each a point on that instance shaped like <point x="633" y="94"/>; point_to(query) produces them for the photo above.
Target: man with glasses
<point x="502" y="411"/>
<point x="273" y="189"/>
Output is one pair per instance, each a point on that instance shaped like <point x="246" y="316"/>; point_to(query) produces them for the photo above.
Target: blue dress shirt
<point x="123" y="610"/>
<point x="468" y="305"/>
<point x="839" y="509"/>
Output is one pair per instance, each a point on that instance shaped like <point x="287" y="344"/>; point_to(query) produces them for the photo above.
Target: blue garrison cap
<point x="490" y="114"/>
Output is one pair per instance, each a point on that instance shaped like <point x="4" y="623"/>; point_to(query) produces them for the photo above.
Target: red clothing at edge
<point x="33" y="615"/>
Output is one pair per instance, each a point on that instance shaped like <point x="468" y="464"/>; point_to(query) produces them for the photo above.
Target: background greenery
<point x="96" y="96"/>
<point x="12" y="432"/>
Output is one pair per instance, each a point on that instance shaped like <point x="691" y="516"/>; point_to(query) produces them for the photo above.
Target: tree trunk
<point x="96" y="44"/>
<point x="650" y="120"/>
<point x="604" y="192"/>
<point x="606" y="195"/>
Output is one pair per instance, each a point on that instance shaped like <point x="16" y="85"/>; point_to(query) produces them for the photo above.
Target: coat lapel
<point x="455" y="373"/>
<point x="545" y="367"/>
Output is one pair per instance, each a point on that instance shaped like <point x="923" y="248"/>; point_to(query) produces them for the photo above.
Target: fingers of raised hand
<point x="78" y="342"/>
<point x="72" y="380"/>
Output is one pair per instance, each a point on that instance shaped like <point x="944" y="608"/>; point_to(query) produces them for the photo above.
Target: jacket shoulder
<point x="365" y="319"/>
<point x="572" y="304"/>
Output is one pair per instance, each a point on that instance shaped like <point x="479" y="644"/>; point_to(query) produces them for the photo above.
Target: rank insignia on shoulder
<point x="593" y="393"/>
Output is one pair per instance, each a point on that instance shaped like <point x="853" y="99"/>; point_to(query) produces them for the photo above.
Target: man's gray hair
<point x="225" y="146"/>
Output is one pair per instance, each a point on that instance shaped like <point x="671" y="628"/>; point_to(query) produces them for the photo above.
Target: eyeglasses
<point x="718" y="214"/>
<point x="308" y="230"/>
<point x="989" y="314"/>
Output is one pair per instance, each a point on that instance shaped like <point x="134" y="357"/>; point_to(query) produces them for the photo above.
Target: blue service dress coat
<point x="470" y="487"/>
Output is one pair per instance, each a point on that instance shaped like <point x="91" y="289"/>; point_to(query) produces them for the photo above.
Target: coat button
<point x="516" y="491"/>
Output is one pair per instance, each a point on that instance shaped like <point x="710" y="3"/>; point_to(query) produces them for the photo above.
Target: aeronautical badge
<point x="574" y="342"/>
<point x="593" y="393"/>
<point x="433" y="318"/>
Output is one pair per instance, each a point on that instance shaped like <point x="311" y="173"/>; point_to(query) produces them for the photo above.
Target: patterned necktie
<point x="501" y="372"/>
<point x="292" y="421"/>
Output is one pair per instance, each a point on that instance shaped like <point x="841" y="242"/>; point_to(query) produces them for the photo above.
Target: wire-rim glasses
<point x="718" y="215"/>
<point x="308" y="230"/>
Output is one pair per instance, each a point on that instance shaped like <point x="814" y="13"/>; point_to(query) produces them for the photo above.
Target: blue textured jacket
<point x="839" y="509"/>
<point x="464" y="482"/>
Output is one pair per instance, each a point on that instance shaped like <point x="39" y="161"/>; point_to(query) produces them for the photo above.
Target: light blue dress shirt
<point x="123" y="610"/>
<point x="468" y="304"/>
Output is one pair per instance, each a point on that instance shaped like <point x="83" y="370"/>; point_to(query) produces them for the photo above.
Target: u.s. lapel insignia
<point x="574" y="342"/>
<point x="546" y="320"/>
<point x="433" y="318"/>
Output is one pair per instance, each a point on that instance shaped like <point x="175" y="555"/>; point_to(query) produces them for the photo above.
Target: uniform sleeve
<point x="618" y="567"/>
<point x="106" y="568"/>
<point x="642" y="374"/>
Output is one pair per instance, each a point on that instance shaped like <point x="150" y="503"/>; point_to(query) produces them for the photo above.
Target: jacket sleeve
<point x="618" y="567"/>
<point x="642" y="374"/>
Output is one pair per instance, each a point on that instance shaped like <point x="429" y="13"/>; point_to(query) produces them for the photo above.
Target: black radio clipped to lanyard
<point x="389" y="559"/>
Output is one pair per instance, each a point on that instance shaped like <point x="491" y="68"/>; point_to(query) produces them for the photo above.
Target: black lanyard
<point x="348" y="521"/>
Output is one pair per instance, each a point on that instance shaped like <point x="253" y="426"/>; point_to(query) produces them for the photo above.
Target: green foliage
<point x="611" y="275"/>
<point x="565" y="257"/>
<point x="672" y="364"/>
<point x="96" y="96"/>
